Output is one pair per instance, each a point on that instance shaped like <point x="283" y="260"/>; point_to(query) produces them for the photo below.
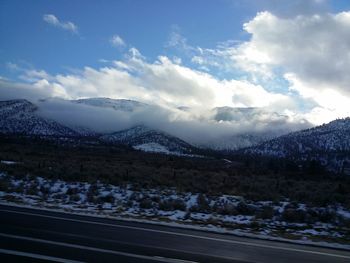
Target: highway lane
<point x="41" y="236"/>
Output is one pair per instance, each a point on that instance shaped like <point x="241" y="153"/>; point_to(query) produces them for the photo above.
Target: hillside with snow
<point x="150" y="140"/>
<point x="329" y="144"/>
<point x="19" y="117"/>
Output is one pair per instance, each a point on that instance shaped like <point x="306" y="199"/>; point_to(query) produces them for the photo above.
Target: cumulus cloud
<point x="117" y="41"/>
<point x="65" y="25"/>
<point x="10" y="90"/>
<point x="309" y="51"/>
<point x="314" y="47"/>
<point x="287" y="8"/>
<point x="312" y="51"/>
<point x="163" y="81"/>
<point x="177" y="40"/>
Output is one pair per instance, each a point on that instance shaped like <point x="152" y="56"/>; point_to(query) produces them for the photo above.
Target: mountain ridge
<point x="18" y="117"/>
<point x="142" y="135"/>
<point x="328" y="143"/>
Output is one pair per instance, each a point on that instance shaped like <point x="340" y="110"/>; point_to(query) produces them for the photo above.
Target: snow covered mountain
<point x="239" y="141"/>
<point x="328" y="143"/>
<point x="150" y="140"/>
<point x="117" y="104"/>
<point x="19" y="117"/>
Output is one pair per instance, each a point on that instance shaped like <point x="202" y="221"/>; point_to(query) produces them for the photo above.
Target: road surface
<point x="30" y="235"/>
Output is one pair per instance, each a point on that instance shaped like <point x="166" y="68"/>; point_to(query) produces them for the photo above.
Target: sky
<point x="289" y="57"/>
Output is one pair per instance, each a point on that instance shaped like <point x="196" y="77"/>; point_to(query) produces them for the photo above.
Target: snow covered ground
<point x="158" y="148"/>
<point x="225" y="213"/>
<point x="8" y="162"/>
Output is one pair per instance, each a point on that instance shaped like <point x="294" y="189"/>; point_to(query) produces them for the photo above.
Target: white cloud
<point x="33" y="75"/>
<point x="331" y="102"/>
<point x="53" y="20"/>
<point x="311" y="52"/>
<point x="12" y="66"/>
<point x="164" y="82"/>
<point x="117" y="41"/>
<point x="287" y="8"/>
<point x="315" y="48"/>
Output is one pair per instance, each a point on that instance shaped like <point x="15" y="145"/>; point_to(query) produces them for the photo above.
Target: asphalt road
<point x="30" y="235"/>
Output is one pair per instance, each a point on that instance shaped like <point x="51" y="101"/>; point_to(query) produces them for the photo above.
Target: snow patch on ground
<point x="153" y="147"/>
<point x="7" y="162"/>
<point x="222" y="213"/>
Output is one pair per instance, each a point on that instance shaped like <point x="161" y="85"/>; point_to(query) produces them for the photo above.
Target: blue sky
<point x="224" y="42"/>
<point x="143" y="24"/>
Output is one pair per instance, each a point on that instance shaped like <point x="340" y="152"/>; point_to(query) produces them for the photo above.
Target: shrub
<point x="4" y="184"/>
<point x="266" y="212"/>
<point x="244" y="209"/>
<point x="172" y="204"/>
<point x="187" y="215"/>
<point x="146" y="203"/>
<point x="202" y="203"/>
<point x="33" y="189"/>
<point x="107" y="198"/>
<point x="225" y="209"/>
<point x="74" y="198"/>
<point x="294" y="215"/>
<point x="254" y="224"/>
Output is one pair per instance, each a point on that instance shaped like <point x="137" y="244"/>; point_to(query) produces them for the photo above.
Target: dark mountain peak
<point x="12" y="106"/>
<point x="19" y="117"/>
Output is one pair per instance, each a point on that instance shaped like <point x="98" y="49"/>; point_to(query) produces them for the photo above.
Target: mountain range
<point x="21" y="117"/>
<point x="328" y="143"/>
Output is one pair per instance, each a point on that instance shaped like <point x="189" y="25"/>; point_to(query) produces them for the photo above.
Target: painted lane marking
<point x="37" y="256"/>
<point x="95" y="249"/>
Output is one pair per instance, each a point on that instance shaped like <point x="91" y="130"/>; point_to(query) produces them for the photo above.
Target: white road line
<point x="145" y="246"/>
<point x="95" y="249"/>
<point x="37" y="256"/>
<point x="183" y="234"/>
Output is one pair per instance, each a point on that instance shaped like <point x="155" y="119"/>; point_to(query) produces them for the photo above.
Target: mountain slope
<point x="329" y="144"/>
<point x="19" y="117"/>
<point x="143" y="138"/>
